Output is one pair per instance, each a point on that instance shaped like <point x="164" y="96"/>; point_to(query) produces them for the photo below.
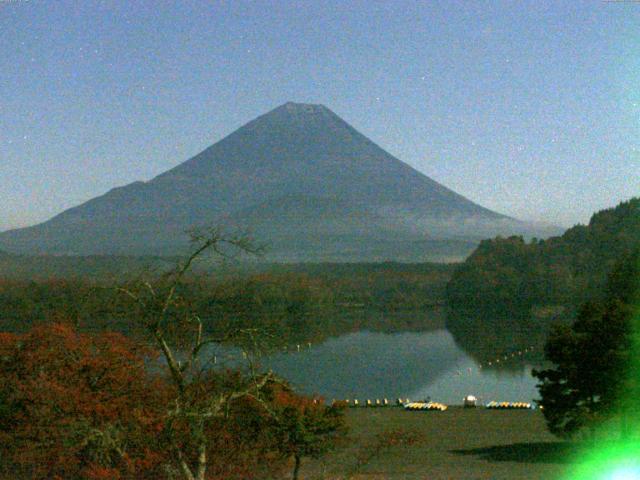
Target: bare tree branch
<point x="160" y="307"/>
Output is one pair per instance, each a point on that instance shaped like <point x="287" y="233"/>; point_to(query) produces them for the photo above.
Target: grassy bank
<point x="390" y="443"/>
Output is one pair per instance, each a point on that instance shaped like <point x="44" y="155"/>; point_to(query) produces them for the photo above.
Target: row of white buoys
<point x="244" y="355"/>
<point x="425" y="406"/>
<point x="508" y="356"/>
<point x="500" y="359"/>
<point x="300" y="347"/>
<point x="509" y="406"/>
<point x="297" y="348"/>
<point x="367" y="403"/>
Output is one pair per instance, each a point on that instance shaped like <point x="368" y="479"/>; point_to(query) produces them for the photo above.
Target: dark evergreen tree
<point x="593" y="378"/>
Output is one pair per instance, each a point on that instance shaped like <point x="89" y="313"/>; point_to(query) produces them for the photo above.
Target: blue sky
<point x="529" y="108"/>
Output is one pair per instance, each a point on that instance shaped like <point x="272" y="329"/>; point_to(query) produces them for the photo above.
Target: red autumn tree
<point x="75" y="405"/>
<point x="86" y="406"/>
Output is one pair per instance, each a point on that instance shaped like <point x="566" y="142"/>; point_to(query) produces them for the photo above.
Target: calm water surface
<point x="415" y="365"/>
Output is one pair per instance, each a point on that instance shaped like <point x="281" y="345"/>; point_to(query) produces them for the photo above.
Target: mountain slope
<point x="298" y="173"/>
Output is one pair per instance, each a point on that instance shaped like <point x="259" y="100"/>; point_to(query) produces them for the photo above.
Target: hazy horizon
<point x="531" y="110"/>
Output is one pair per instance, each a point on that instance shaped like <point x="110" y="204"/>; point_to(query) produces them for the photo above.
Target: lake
<point x="415" y="365"/>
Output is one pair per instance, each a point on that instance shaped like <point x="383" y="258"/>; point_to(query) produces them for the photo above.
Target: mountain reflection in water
<point x="416" y="365"/>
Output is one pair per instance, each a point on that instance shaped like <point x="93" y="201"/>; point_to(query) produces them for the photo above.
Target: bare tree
<point x="165" y="316"/>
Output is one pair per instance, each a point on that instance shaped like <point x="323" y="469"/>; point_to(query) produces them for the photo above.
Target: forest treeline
<point x="291" y="302"/>
<point x="517" y="289"/>
<point x="510" y="274"/>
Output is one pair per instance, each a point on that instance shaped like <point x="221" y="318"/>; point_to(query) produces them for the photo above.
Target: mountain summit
<point x="301" y="178"/>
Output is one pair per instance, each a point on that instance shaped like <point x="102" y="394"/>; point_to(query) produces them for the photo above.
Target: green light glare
<point x="625" y="473"/>
<point x="612" y="454"/>
<point x="620" y="461"/>
<point x="606" y="458"/>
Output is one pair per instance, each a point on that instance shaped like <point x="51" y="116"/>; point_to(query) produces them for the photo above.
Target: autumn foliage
<point x="96" y="406"/>
<point x="75" y="405"/>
